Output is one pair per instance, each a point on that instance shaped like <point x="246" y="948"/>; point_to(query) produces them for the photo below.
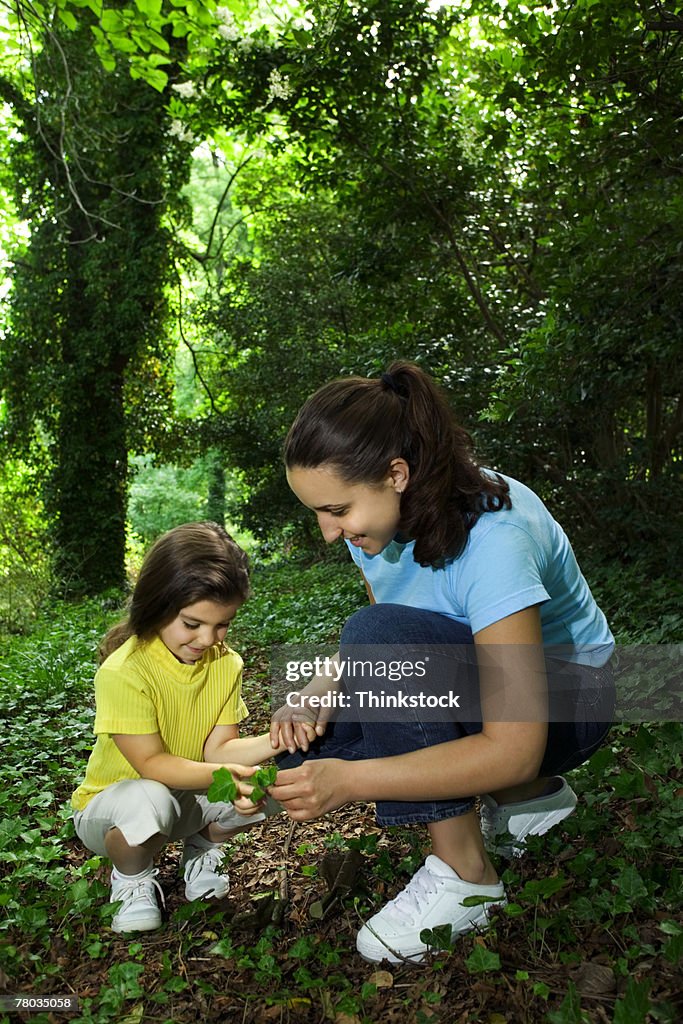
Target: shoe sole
<point x="371" y="955"/>
<point x="516" y="847"/>
<point x="417" y="957"/>
<point x="419" y="960"/>
<point x="207" y="894"/>
<point x="145" y="925"/>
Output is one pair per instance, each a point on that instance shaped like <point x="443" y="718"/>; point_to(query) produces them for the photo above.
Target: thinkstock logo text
<point x="374" y="699"/>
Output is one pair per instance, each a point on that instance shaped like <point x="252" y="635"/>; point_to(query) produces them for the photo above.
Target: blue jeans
<point x="585" y="697"/>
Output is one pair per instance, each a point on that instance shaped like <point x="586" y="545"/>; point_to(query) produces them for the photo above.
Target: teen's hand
<point x="304" y="734"/>
<point x="297" y="727"/>
<point x="313" y="788"/>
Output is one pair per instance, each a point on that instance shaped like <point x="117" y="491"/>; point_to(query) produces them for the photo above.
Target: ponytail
<point x="357" y="426"/>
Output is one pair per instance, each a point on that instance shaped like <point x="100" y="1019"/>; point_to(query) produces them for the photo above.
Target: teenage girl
<point x="168" y="708"/>
<point x="456" y="558"/>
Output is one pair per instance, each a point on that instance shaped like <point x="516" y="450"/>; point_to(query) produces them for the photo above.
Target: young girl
<point x="456" y="559"/>
<point x="168" y="708"/>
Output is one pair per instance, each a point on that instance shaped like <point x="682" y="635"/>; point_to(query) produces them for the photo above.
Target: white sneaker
<point x="434" y="896"/>
<point x="139" y="910"/>
<point x="514" y="822"/>
<point x="200" y="865"/>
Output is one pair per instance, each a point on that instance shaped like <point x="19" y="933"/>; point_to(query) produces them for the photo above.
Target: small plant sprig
<point x="224" y="789"/>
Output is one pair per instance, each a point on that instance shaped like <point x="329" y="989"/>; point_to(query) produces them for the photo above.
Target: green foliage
<point x="86" y="315"/>
<point x="570" y="1011"/>
<point x="261" y="780"/>
<point x="24" y="566"/>
<point x="508" y="214"/>
<point x="292" y="604"/>
<point x="612" y="891"/>
<point x="641" y="600"/>
<point x="339" y="323"/>
<point x="224" y="789"/>
<point x="163" y="496"/>
<point x="495" y="197"/>
<point x="481" y="960"/>
<point x="596" y="370"/>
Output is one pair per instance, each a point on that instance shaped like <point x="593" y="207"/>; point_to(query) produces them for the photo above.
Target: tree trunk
<point x="90" y="485"/>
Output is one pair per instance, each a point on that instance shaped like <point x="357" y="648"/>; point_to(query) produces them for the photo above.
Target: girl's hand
<point x="313" y="788"/>
<point x="243" y="803"/>
<point x="296" y="727"/>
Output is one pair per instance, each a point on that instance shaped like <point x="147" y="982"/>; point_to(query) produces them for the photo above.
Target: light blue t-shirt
<point x="513" y="558"/>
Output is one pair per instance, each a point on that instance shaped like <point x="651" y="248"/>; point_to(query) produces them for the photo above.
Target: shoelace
<point x="410" y="900"/>
<point x="143" y="888"/>
<point x="203" y="860"/>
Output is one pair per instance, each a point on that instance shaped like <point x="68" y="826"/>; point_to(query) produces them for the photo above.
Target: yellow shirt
<point x="142" y="688"/>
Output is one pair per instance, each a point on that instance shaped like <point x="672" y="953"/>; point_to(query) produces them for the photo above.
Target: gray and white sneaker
<point x="201" y="862"/>
<point x="505" y="827"/>
<point x="139" y="910"/>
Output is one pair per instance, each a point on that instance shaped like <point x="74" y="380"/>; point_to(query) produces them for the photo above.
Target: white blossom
<point x="229" y="32"/>
<point x="185" y="89"/>
<point x="227" y="27"/>
<point x="179" y="131"/>
<point x="279" y="86"/>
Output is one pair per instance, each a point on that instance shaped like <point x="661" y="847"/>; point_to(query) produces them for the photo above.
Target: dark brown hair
<point x="358" y="425"/>
<point x="193" y="562"/>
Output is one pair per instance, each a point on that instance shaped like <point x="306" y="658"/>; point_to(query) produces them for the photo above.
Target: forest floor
<point x="592" y="932"/>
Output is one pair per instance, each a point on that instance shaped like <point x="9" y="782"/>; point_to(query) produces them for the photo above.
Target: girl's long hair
<point x="358" y="425"/>
<point x="193" y="562"/>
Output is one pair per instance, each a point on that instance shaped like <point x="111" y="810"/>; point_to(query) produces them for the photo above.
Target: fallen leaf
<point x="381" y="979"/>
<point x="298" y="1003"/>
<point x="592" y="979"/>
<point x="134" y="1016"/>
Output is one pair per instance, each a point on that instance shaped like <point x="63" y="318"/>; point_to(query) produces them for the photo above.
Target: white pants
<point x="141" y="808"/>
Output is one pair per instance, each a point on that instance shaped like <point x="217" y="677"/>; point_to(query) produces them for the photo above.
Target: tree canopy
<point x="491" y="189"/>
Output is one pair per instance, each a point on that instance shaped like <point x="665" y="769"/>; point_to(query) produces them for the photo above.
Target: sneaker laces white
<point x="410" y="901"/>
<point x="203" y="860"/>
<point x="138" y="890"/>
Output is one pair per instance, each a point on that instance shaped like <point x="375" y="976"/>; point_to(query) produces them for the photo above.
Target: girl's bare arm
<point x="147" y="756"/>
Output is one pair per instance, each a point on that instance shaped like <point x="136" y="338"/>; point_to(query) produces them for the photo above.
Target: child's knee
<point x="151" y="801"/>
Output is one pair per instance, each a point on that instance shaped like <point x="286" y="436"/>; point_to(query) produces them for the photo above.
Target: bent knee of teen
<point x="373" y="623"/>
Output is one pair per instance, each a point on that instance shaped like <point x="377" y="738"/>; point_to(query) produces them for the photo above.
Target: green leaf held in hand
<point x="260" y="780"/>
<point x="224" y="789"/>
